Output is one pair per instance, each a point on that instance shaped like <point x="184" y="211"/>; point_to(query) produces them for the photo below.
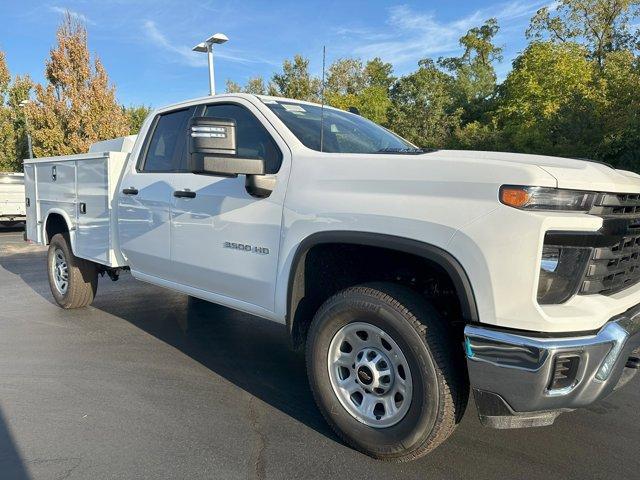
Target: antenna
<point x="324" y="56"/>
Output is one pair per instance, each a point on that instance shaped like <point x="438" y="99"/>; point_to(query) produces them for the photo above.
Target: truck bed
<point x="80" y="188"/>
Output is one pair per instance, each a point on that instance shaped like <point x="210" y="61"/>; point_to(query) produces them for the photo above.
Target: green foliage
<point x="603" y="26"/>
<point x="473" y="72"/>
<point x="255" y="85"/>
<point x="295" y="81"/>
<point x="423" y="108"/>
<point x="365" y="87"/>
<point x="620" y="111"/>
<point x="136" y="116"/>
<point x="549" y="101"/>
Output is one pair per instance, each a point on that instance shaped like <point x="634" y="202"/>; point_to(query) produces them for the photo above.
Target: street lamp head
<point x="217" y="38"/>
<point x="201" y="47"/>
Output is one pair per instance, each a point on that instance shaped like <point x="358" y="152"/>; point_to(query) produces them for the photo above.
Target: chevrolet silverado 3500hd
<point x="412" y="277"/>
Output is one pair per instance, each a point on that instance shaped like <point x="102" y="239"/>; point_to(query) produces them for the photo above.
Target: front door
<point x="225" y="242"/>
<point x="144" y="202"/>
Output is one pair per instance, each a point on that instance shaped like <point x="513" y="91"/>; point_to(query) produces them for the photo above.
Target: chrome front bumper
<point x="512" y="375"/>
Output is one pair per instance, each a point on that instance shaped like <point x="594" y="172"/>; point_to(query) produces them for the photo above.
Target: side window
<point x="252" y="139"/>
<point x="168" y="143"/>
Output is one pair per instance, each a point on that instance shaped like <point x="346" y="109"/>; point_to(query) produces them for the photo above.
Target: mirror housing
<point x="212" y="149"/>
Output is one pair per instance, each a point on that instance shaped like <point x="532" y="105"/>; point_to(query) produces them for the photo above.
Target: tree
<point x="365" y="87"/>
<point x="13" y="144"/>
<point x="77" y="107"/>
<point x="295" y="81"/>
<point x="603" y="25"/>
<point x="422" y="108"/>
<point x="233" y="87"/>
<point x="379" y="74"/>
<point x="136" y="116"/>
<point x="549" y="102"/>
<point x="620" y="113"/>
<point x="254" y="85"/>
<point x="474" y="74"/>
<point x="7" y="132"/>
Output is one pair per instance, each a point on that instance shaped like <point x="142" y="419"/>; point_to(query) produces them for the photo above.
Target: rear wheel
<point x="385" y="371"/>
<point x="73" y="281"/>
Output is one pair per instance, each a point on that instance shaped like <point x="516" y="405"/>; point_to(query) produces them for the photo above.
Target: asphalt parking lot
<point x="148" y="384"/>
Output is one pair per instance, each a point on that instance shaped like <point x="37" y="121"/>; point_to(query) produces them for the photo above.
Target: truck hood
<point x="568" y="173"/>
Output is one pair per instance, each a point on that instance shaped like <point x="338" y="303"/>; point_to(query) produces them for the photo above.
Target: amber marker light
<point x="514" y="196"/>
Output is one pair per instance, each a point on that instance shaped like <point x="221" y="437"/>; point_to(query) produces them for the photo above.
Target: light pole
<point x="207" y="47"/>
<point x="23" y="104"/>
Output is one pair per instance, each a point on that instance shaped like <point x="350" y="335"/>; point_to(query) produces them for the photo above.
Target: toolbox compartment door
<point x="31" y="203"/>
<point x="93" y="234"/>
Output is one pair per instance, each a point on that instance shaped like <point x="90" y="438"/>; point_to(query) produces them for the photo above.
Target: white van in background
<point x="12" y="206"/>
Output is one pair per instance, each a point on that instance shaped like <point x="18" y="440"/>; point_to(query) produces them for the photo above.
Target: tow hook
<point x="633" y="362"/>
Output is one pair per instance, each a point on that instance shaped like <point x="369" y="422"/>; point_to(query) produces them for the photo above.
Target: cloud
<point x="183" y="54"/>
<point x="411" y="35"/>
<point x="73" y="13"/>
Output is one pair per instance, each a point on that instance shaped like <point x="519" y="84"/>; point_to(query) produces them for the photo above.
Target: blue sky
<point x="146" y="44"/>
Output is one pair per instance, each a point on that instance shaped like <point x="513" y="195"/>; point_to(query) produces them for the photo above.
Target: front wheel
<point x="73" y="281"/>
<point x="385" y="371"/>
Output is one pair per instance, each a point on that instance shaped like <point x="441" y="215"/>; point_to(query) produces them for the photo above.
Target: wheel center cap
<point x="365" y="376"/>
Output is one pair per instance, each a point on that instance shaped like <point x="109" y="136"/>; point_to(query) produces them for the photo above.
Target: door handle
<point x="184" y="194"/>
<point x="130" y="191"/>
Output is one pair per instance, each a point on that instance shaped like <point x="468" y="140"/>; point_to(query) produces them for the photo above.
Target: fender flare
<point x="437" y="255"/>
<point x="65" y="217"/>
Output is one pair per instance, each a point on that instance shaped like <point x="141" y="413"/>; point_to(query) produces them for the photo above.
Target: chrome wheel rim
<point x="60" y="271"/>
<point x="370" y="375"/>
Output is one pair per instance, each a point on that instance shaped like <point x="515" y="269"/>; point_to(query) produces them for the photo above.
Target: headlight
<point x="545" y="198"/>
<point x="561" y="271"/>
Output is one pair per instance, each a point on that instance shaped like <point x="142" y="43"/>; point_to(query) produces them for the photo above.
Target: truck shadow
<point x="11" y="463"/>
<point x="250" y="352"/>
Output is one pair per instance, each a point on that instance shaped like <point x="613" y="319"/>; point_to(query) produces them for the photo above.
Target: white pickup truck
<point x="12" y="209"/>
<point x="412" y="277"/>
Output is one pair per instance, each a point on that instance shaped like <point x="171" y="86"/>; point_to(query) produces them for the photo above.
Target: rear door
<point x="224" y="241"/>
<point x="144" y="201"/>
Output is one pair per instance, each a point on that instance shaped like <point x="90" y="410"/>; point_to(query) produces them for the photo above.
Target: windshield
<point x="343" y="132"/>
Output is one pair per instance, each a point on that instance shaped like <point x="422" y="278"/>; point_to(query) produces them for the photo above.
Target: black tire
<point x="82" y="275"/>
<point x="440" y="390"/>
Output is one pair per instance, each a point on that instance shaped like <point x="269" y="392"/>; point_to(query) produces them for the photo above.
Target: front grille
<point x="615" y="267"/>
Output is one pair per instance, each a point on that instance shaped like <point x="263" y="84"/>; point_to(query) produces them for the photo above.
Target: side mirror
<point x="212" y="149"/>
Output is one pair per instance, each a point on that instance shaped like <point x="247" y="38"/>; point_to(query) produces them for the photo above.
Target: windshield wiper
<point x="405" y="151"/>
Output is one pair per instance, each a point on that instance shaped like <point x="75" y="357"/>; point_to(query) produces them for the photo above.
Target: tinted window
<point x="168" y="143"/>
<point x="342" y="132"/>
<point x="252" y="139"/>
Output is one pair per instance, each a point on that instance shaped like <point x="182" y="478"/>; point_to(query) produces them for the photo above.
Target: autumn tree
<point x="77" y="107"/>
<point x="7" y="132"/>
<point x="13" y="135"/>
